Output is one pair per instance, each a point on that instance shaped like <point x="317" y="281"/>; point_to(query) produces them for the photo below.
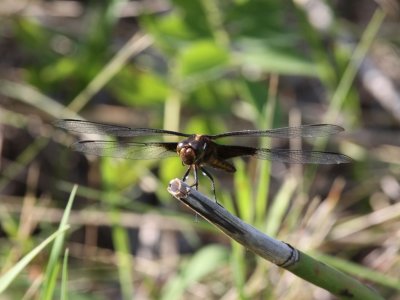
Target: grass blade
<point x="64" y="279"/>
<point x="124" y="259"/>
<point x="11" y="274"/>
<point x="53" y="265"/>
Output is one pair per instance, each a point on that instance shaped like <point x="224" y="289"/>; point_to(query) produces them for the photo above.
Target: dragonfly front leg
<point x="185" y="177"/>
<point x="196" y="178"/>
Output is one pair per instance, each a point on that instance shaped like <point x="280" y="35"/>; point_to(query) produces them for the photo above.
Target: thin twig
<point x="277" y="252"/>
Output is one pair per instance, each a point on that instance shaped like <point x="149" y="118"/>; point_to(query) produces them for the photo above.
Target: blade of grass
<point x="267" y="119"/>
<point x="52" y="268"/>
<point x="360" y="223"/>
<point x="29" y="95"/>
<point x="11" y="274"/>
<point x="204" y="262"/>
<point x="243" y="191"/>
<point x="239" y="269"/>
<point x="357" y="58"/>
<point x="282" y="200"/>
<point x="172" y="110"/>
<point x="64" y="279"/>
<point x="346" y="82"/>
<point x="124" y="259"/>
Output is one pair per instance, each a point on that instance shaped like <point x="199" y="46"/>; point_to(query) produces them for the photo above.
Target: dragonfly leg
<point x="206" y="173"/>
<point x="185" y="177"/>
<point x="196" y="178"/>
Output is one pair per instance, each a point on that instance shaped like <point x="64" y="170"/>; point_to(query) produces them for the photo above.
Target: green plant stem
<point x="214" y="18"/>
<point x="332" y="280"/>
<point x="277" y="252"/>
<point x="267" y="119"/>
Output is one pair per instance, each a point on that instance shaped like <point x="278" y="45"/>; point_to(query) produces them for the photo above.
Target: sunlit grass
<point x="50" y="275"/>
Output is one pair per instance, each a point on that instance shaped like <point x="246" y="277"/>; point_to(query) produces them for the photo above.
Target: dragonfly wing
<point x="283" y="155"/>
<point x="126" y="150"/>
<point x="81" y="126"/>
<point x="301" y="157"/>
<point x="308" y="131"/>
<point x="224" y="152"/>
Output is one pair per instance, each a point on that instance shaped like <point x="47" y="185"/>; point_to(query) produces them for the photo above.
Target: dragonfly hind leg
<point x="206" y="173"/>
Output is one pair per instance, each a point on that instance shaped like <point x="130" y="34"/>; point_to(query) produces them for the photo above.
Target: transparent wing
<point x="301" y="157"/>
<point x="283" y="155"/>
<point x="308" y="131"/>
<point x="81" y="126"/>
<point x="126" y="150"/>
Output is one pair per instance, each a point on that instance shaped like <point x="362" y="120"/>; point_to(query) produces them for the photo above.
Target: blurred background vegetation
<point x="198" y="66"/>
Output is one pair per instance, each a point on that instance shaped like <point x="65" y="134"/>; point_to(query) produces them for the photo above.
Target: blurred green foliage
<point x="62" y="62"/>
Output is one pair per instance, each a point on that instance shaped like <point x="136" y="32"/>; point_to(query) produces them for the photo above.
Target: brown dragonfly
<point x="199" y="150"/>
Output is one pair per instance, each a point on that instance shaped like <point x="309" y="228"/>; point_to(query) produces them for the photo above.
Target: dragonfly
<point x="198" y="151"/>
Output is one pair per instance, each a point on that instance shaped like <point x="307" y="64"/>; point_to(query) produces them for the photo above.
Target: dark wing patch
<point x="229" y="151"/>
<point x="81" y="126"/>
<point x="126" y="150"/>
<point x="307" y="131"/>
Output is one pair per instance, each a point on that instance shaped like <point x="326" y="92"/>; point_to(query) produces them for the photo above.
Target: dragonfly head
<point x="191" y="150"/>
<point x="187" y="155"/>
